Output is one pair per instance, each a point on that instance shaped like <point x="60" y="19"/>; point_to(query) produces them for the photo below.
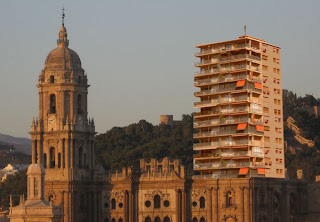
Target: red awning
<point x="261" y="171"/>
<point x="242" y="126"/>
<point x="260" y="128"/>
<point x="243" y="171"/>
<point x="241" y="83"/>
<point x="257" y="85"/>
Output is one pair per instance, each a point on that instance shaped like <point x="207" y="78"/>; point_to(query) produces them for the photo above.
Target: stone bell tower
<point x="62" y="136"/>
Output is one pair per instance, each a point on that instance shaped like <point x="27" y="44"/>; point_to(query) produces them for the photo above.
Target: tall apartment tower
<point x="239" y="127"/>
<point x="62" y="136"/>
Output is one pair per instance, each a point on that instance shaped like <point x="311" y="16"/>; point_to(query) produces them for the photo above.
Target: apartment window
<point x="265" y="79"/>
<point x="266" y="139"/>
<point x="264" y="57"/>
<point x="264" y="68"/>
<point x="274" y="60"/>
<point x="278" y="71"/>
<point x="274" y="70"/>
<point x="278" y="171"/>
<point x="267" y="128"/>
<point x="279" y="112"/>
<point x="228" y="46"/>
<point x="281" y="172"/>
<point x="264" y="50"/>
<point x="265" y="109"/>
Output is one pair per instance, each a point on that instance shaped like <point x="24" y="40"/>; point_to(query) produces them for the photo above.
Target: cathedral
<point x="70" y="184"/>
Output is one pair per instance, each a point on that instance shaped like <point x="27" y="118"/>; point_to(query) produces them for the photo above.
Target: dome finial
<point x="63" y="37"/>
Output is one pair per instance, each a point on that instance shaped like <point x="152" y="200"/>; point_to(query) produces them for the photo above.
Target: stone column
<point x="210" y="205"/>
<point x="177" y="206"/>
<point x="71" y="153"/>
<point x="67" y="145"/>
<point x="34" y="148"/>
<point x="39" y="152"/>
<point x="130" y="207"/>
<point x="183" y="205"/>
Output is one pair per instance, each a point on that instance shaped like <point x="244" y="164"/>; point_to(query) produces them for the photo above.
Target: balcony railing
<point x="223" y="49"/>
<point x="218" y="132"/>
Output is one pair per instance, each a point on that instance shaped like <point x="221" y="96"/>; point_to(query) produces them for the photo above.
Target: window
<point x="166" y="219"/>
<point x="279" y="112"/>
<point x="36" y="187"/>
<point x="157" y="219"/>
<point x="267" y="128"/>
<point x="45" y="160"/>
<point x="265" y="109"/>
<point x="264" y="57"/>
<point x="228" y="199"/>
<point x="113" y="204"/>
<point x="51" y="79"/>
<point x="120" y="220"/>
<point x="147" y="203"/>
<point x="202" y="219"/>
<point x="156" y="201"/>
<point x="166" y="203"/>
<point x="159" y="168"/>
<point x="202" y="202"/>
<point x="264" y="68"/>
<point x="274" y="60"/>
<point x="52" y="103"/>
<point x="52" y="157"/>
<point x="148" y="219"/>
<point x="266" y="139"/>
<point x="194" y="219"/>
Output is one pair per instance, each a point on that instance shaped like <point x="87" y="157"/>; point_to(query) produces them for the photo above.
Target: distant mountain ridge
<point x="21" y="144"/>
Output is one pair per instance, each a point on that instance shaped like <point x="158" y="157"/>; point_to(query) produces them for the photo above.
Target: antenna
<point x="63" y="15"/>
<point x="245" y="29"/>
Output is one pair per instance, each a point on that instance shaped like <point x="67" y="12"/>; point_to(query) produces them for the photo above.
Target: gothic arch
<point x="156" y="202"/>
<point x="52" y="103"/>
<point x="202" y="201"/>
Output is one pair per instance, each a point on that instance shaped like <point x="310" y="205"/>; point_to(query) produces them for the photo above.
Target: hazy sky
<point x="138" y="54"/>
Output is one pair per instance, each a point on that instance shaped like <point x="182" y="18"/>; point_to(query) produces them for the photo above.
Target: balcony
<point x="205" y="103"/>
<point x="230" y="131"/>
<point x="224" y="49"/>
<point x="203" y="146"/>
<point x="206" y="81"/>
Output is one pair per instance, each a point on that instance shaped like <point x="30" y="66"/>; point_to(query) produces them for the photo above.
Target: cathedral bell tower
<point x="63" y="135"/>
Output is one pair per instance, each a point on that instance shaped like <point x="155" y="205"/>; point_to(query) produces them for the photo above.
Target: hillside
<point x="124" y="146"/>
<point x="21" y="144"/>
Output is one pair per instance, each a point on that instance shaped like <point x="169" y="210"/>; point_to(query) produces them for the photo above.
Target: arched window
<point x="113" y="204"/>
<point x="79" y="79"/>
<point x="50" y="198"/>
<point x="148" y="219"/>
<point x="59" y="160"/>
<point x="79" y="104"/>
<point x="156" y="201"/>
<point x="52" y="157"/>
<point x="194" y="219"/>
<point x="202" y="202"/>
<point x="113" y="220"/>
<point x="51" y="79"/>
<point x="52" y="103"/>
<point x="166" y="219"/>
<point x="80" y="157"/>
<point x="157" y="219"/>
<point x="229" y="199"/>
<point x="120" y="220"/>
<point x="202" y="219"/>
<point x="45" y="160"/>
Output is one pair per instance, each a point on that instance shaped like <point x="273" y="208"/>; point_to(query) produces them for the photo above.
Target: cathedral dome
<point x="63" y="57"/>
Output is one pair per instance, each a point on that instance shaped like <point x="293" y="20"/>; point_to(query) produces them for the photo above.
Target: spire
<point x="63" y="36"/>
<point x="63" y="15"/>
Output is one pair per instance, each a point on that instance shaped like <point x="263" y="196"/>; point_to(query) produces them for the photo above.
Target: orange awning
<point x="261" y="171"/>
<point x="260" y="128"/>
<point x="242" y="126"/>
<point x="243" y="171"/>
<point x="241" y="83"/>
<point x="257" y="85"/>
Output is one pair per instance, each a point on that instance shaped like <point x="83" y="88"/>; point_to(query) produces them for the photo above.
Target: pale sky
<point x="138" y="54"/>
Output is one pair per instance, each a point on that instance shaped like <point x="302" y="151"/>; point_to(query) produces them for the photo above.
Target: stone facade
<point x="174" y="194"/>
